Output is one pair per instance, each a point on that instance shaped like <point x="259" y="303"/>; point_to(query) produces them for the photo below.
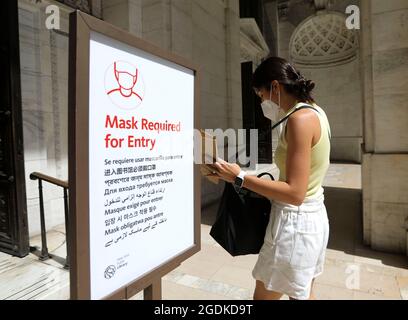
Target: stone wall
<point x="207" y="32"/>
<point x="385" y="160"/>
<point x="44" y="86"/>
<point x="338" y="89"/>
<point x="341" y="98"/>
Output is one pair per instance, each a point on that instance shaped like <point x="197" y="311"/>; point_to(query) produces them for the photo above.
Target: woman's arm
<point x="293" y="191"/>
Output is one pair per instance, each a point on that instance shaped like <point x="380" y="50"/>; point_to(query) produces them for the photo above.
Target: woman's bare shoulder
<point x="302" y="115"/>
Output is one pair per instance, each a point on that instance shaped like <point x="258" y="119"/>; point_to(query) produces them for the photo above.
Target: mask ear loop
<point x="279" y="98"/>
<point x="280" y="129"/>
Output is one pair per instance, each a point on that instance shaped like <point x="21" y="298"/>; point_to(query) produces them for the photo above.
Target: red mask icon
<point x="124" y="85"/>
<point x="125" y="80"/>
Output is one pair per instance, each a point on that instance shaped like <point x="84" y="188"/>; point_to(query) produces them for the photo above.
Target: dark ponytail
<point x="279" y="69"/>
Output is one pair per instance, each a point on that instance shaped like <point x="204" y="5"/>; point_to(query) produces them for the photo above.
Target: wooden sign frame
<point x="81" y="26"/>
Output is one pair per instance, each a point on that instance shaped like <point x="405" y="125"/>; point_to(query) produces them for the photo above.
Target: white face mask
<point x="126" y="80"/>
<point x="271" y="109"/>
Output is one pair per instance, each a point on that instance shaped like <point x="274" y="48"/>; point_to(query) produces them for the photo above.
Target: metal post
<point x="67" y="238"/>
<point x="154" y="291"/>
<point x="44" y="249"/>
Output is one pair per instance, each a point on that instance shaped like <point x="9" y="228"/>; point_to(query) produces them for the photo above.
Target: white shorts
<point x="294" y="248"/>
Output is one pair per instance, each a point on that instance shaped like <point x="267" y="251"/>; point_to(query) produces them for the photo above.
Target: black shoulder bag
<point x="242" y="218"/>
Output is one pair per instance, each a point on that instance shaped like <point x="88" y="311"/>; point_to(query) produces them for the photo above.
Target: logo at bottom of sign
<point x="121" y="263"/>
<point x="110" y="272"/>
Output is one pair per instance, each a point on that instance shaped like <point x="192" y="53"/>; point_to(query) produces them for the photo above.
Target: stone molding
<point x="253" y="44"/>
<point x="323" y="39"/>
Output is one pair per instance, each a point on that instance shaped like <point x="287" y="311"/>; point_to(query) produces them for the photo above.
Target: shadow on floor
<point x="345" y="211"/>
<point x="209" y="213"/>
<point x="344" y="208"/>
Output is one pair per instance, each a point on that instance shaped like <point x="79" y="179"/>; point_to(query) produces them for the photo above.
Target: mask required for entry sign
<point x="141" y="108"/>
<point x="136" y="127"/>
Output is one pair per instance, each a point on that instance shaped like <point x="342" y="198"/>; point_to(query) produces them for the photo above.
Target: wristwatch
<point x="239" y="181"/>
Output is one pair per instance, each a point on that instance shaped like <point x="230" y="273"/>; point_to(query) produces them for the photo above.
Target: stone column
<point x="44" y="90"/>
<point x="126" y="14"/>
<point x="385" y="160"/>
<point x="285" y="30"/>
<point x="233" y="63"/>
<point x="271" y="25"/>
<point x="169" y="25"/>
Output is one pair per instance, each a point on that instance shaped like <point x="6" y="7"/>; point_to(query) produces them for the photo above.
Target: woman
<point x="296" y="238"/>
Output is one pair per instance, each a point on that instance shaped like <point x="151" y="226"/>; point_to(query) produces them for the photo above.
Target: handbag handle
<point x="266" y="174"/>
<point x="242" y="192"/>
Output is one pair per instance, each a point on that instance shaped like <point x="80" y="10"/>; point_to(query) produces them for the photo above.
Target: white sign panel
<point x="141" y="121"/>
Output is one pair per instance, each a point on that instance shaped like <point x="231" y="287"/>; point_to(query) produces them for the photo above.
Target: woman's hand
<point x="226" y="171"/>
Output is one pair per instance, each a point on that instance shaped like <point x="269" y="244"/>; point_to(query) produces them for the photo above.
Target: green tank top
<point x="320" y="156"/>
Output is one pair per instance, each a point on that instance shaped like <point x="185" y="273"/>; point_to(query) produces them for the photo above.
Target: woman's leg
<point x="312" y="296"/>
<point x="262" y="294"/>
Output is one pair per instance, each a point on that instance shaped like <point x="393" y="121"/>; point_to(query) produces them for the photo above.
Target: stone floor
<point x="353" y="271"/>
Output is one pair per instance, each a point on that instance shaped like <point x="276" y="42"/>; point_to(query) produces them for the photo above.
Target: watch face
<point x="239" y="182"/>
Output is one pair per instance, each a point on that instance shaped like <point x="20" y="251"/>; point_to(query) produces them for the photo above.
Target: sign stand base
<point x="154" y="291"/>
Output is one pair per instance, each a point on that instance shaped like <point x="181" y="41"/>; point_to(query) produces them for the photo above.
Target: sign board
<point x="134" y="187"/>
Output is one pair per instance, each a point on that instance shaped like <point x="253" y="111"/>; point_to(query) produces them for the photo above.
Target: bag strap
<point x="303" y="106"/>
<point x="270" y="129"/>
<point x="243" y="192"/>
<point x="266" y="174"/>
